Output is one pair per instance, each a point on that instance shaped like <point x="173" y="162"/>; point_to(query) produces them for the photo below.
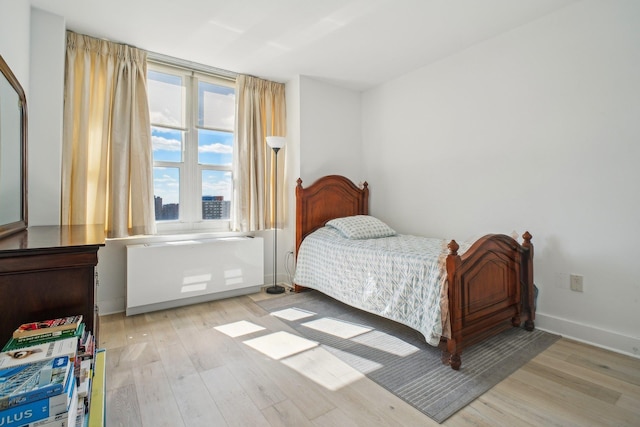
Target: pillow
<point x="361" y="227"/>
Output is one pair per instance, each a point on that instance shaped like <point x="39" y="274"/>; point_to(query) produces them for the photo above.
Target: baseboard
<point x="111" y="306"/>
<point x="193" y="300"/>
<point x="609" y="340"/>
<point x="118" y="305"/>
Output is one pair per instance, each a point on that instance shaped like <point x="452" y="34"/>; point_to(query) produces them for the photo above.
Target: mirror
<point x="13" y="153"/>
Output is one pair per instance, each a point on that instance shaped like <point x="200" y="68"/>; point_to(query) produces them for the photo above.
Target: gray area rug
<point x="418" y="377"/>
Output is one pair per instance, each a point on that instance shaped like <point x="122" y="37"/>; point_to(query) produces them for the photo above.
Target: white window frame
<point x="190" y="171"/>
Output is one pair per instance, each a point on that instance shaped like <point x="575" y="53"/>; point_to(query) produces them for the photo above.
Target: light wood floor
<point x="171" y="368"/>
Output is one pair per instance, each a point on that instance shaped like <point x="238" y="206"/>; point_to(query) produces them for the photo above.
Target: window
<point x="192" y="122"/>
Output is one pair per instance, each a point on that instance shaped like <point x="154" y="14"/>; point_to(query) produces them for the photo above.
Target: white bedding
<point x="401" y="277"/>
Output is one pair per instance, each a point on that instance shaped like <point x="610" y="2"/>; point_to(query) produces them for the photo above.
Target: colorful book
<point x="64" y="419"/>
<point x="59" y="421"/>
<point x="34" y="381"/>
<point x="84" y="378"/>
<point x="86" y="346"/>
<point x="47" y="326"/>
<point x="82" y="417"/>
<point x="51" y="409"/>
<point x="16" y="343"/>
<point x="23" y="356"/>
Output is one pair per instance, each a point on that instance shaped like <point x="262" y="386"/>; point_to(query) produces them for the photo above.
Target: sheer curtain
<point x="107" y="159"/>
<point x="261" y="112"/>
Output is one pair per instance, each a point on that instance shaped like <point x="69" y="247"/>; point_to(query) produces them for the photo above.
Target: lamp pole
<point x="275" y="142"/>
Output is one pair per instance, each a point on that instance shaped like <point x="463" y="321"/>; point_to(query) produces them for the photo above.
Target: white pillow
<point x="361" y="227"/>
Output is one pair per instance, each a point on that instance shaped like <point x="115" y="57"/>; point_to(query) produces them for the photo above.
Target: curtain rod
<point x="189" y="65"/>
<point x="176" y="62"/>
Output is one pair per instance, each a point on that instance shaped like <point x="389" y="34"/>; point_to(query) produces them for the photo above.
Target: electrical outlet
<point x="576" y="282"/>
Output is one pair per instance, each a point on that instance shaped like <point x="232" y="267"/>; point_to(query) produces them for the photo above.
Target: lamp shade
<point x="276" y="141"/>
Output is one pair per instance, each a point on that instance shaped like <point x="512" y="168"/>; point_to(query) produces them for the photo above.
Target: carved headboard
<point x="332" y="196"/>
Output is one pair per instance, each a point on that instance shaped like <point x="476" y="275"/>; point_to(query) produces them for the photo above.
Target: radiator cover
<point x="171" y="274"/>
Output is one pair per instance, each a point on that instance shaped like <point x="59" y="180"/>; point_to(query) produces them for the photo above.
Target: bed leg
<point x="516" y="320"/>
<point x="455" y="362"/>
<point x="450" y="356"/>
<point x="529" y="325"/>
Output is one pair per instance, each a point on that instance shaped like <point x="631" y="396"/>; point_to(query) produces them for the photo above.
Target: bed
<point x="459" y="295"/>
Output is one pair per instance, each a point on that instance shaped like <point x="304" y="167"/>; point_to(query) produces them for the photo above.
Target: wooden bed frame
<point x="490" y="286"/>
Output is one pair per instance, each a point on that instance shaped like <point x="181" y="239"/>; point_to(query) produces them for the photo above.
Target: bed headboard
<point x="332" y="196"/>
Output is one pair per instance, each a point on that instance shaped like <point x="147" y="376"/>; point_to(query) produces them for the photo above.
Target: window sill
<point x="181" y="235"/>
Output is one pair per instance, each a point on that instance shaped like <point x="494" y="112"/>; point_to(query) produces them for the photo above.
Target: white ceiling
<point x="351" y="43"/>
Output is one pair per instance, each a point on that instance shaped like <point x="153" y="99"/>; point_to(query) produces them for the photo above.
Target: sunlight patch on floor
<point x="385" y="342"/>
<point x="338" y="328"/>
<point x="361" y="364"/>
<point x="329" y="367"/>
<point x="279" y="345"/>
<point x="322" y="367"/>
<point x="238" y="329"/>
<point x="293" y="314"/>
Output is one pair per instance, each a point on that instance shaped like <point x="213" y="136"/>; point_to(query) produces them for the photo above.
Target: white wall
<point x="330" y="135"/>
<point x="32" y="43"/>
<point x="323" y="137"/>
<point x="537" y="129"/>
<point x="48" y="40"/>
<point x="14" y="39"/>
<point x="286" y="241"/>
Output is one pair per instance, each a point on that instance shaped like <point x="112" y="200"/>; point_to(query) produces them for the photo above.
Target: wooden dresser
<point x="48" y="272"/>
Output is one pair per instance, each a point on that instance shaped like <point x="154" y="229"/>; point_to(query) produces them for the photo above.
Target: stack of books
<point x="45" y="374"/>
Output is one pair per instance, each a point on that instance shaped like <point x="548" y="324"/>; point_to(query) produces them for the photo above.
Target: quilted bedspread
<point x="402" y="277"/>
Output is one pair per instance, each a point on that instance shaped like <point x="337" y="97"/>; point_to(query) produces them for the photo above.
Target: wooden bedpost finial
<point x="299" y="181"/>
<point x="527" y="238"/>
<point x="365" y="184"/>
<point x="453" y="247"/>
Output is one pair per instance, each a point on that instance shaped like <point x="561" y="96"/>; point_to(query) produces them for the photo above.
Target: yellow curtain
<point x="260" y="112"/>
<point x="107" y="159"/>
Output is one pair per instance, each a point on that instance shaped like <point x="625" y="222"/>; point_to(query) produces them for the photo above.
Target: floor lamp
<point x="276" y="143"/>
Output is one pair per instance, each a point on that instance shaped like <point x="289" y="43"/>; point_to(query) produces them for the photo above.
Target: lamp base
<point x="275" y="289"/>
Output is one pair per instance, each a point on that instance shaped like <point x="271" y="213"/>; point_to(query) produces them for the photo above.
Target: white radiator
<point x="172" y="274"/>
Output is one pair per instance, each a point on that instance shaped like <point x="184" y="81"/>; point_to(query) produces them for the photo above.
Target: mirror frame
<point x="14" y="227"/>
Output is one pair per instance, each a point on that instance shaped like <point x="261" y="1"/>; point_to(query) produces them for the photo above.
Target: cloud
<point x="161" y="143"/>
<point x="218" y="104"/>
<point x="217" y="189"/>
<point x="165" y="99"/>
<point x="164" y="178"/>
<point x="216" y="147"/>
<point x="217" y="184"/>
<point x="164" y="117"/>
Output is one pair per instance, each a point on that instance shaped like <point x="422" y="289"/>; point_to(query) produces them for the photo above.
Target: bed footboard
<point x="490" y="289"/>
